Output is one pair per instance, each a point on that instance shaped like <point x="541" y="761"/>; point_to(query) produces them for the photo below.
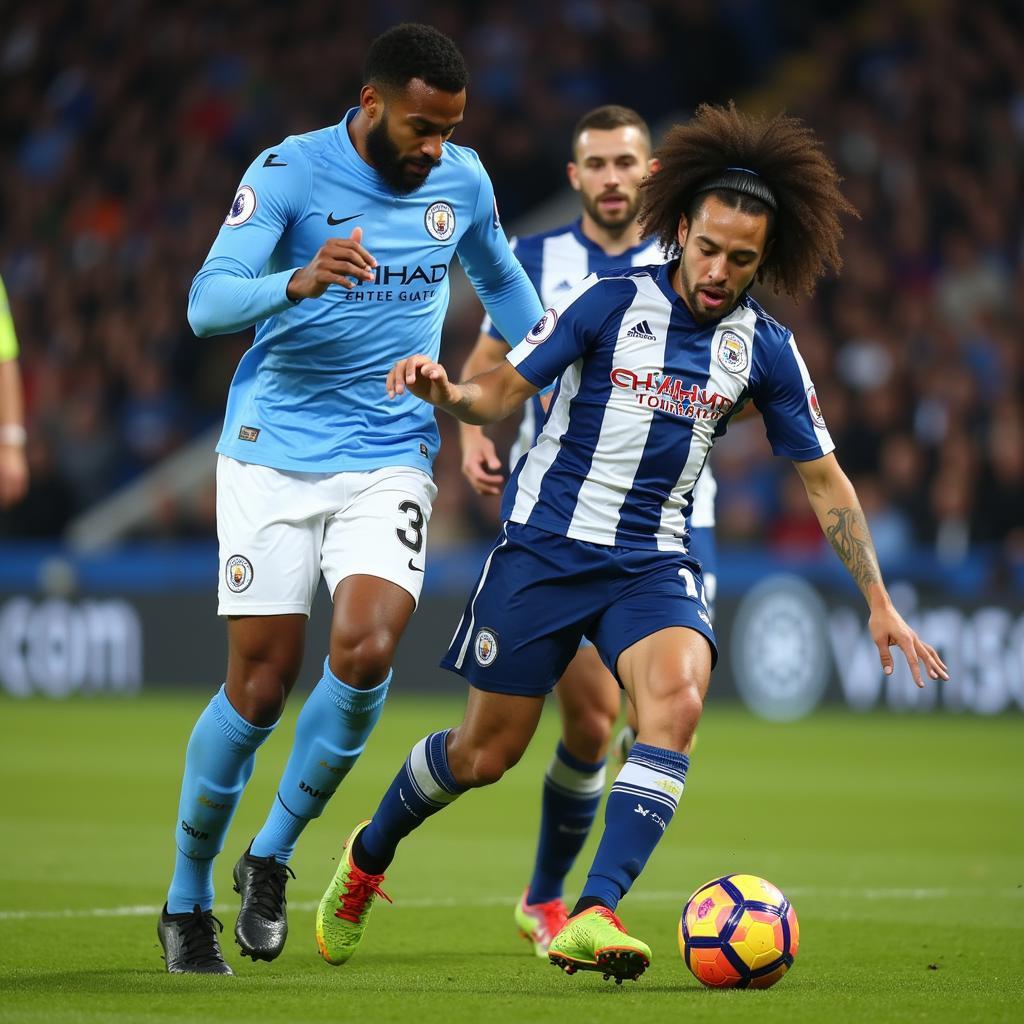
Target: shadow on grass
<point x="397" y="975"/>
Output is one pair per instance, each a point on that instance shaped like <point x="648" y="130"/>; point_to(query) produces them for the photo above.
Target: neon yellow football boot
<point x="540" y="922"/>
<point x="341" y="916"/>
<point x="595" y="940"/>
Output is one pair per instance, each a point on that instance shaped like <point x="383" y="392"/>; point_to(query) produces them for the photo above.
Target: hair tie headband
<point x="744" y="180"/>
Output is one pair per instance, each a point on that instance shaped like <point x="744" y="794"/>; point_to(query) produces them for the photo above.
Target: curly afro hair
<point x="772" y="165"/>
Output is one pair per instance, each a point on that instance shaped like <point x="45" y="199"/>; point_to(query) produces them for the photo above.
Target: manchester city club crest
<point x="732" y="352"/>
<point x="485" y="647"/>
<point x="440" y="221"/>
<point x="238" y="573"/>
<point x="243" y="206"/>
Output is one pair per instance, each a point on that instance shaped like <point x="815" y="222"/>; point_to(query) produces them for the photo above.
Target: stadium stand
<point x="126" y="128"/>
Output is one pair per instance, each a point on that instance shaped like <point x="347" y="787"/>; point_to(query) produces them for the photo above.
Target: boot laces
<point x="199" y="938"/>
<point x="553" y="916"/>
<point x="268" y="883"/>
<point x="359" y="890"/>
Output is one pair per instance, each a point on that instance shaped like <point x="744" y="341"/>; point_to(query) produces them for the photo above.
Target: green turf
<point x="899" y="839"/>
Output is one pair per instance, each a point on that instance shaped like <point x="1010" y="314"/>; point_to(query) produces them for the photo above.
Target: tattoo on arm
<point x="851" y="540"/>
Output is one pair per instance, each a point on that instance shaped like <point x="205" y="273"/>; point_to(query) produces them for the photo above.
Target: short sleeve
<point x="789" y="404"/>
<point x="565" y="331"/>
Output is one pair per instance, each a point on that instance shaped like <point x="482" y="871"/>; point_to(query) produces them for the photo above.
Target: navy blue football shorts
<point x="540" y="593"/>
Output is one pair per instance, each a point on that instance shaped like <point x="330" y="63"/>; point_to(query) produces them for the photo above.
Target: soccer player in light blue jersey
<point x="611" y="155"/>
<point x="594" y="539"/>
<point x="337" y="246"/>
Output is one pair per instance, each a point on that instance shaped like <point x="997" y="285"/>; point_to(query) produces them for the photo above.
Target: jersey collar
<point x="591" y="246"/>
<point x="680" y="309"/>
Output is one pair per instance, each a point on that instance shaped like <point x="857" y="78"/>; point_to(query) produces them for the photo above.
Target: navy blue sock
<point x="218" y="762"/>
<point x="423" y="787"/>
<point x="640" y="805"/>
<point x="572" y="794"/>
<point x="332" y="729"/>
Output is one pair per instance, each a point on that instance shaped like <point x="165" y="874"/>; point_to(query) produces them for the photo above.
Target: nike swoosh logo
<point x="414" y="567"/>
<point x="340" y="220"/>
<point x="271" y="162"/>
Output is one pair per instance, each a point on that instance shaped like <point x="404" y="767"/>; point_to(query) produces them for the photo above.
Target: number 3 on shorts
<point x="415" y="515"/>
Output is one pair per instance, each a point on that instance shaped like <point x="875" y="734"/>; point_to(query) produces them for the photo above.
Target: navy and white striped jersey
<point x="555" y="261"/>
<point x="643" y="392"/>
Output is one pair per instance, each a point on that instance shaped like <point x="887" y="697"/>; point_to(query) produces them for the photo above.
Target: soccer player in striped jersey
<point x="611" y="155"/>
<point x="318" y="475"/>
<point x="594" y="539"/>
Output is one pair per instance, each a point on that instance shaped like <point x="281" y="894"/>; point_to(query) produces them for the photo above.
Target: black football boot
<point x="190" y="942"/>
<point x="262" y="924"/>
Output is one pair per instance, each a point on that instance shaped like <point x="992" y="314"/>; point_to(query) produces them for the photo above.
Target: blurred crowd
<point x="126" y="125"/>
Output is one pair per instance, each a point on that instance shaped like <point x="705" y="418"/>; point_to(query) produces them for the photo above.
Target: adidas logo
<point x="640" y="809"/>
<point x="641" y="329"/>
<point x="561" y="287"/>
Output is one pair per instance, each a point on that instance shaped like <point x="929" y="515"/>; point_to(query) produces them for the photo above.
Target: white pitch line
<point x="798" y="892"/>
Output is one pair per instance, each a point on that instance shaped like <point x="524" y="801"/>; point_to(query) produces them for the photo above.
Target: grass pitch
<point x="900" y="841"/>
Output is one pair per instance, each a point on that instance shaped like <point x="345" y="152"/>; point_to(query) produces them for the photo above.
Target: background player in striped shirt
<point x="611" y="150"/>
<point x="594" y="540"/>
<point x="13" y="465"/>
<point x="317" y="473"/>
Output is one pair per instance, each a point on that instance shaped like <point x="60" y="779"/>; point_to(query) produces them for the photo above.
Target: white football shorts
<point x="278" y="531"/>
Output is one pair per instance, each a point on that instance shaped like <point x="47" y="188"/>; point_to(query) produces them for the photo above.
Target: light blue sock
<point x="218" y="762"/>
<point x="333" y="727"/>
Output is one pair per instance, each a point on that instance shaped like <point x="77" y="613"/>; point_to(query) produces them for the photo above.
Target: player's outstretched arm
<point x="480" y="463"/>
<point x="842" y="521"/>
<point x="486" y="398"/>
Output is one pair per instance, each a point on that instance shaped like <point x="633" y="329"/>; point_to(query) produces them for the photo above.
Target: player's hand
<point x="426" y="379"/>
<point x="480" y="463"/>
<point x="341" y="261"/>
<point x="889" y="630"/>
<point x="13" y="474"/>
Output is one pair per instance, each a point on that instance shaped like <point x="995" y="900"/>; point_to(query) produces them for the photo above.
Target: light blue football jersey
<point x="643" y="393"/>
<point x="309" y="394"/>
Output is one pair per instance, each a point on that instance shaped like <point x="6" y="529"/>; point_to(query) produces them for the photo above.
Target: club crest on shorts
<point x="732" y="352"/>
<point x="485" y="647"/>
<point x="243" y="206"/>
<point x="440" y="221"/>
<point x="815" y="408"/>
<point x="542" y="329"/>
<point x="238" y="573"/>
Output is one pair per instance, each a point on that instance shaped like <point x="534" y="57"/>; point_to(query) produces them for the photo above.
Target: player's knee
<point x="362" y="662"/>
<point x="259" y="694"/>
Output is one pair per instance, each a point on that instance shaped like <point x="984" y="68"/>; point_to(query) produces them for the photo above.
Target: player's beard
<point x="691" y="293"/>
<point x="619" y="223"/>
<point x="393" y="168"/>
